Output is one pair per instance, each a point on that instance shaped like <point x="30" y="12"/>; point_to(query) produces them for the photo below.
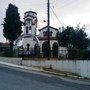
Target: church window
<point x="27" y="29"/>
<point x="45" y="33"/>
<point x="33" y="39"/>
<point x="28" y="46"/>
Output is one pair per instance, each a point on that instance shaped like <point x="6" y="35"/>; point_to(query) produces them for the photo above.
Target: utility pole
<point x="48" y="25"/>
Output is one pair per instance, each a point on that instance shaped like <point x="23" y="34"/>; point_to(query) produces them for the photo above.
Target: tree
<point x="12" y="25"/>
<point x="65" y="38"/>
<point x="80" y="39"/>
<point x="71" y="37"/>
<point x="75" y="40"/>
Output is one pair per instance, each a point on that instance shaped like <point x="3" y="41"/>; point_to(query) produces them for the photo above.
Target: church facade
<point x="30" y="27"/>
<point x="43" y="37"/>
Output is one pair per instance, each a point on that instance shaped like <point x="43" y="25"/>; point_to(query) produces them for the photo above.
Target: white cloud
<point x="75" y="18"/>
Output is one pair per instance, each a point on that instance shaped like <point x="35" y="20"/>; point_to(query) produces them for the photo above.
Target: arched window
<point x="45" y="49"/>
<point x="55" y="50"/>
<point x="29" y="27"/>
<point x="26" y="29"/>
<point x="28" y="46"/>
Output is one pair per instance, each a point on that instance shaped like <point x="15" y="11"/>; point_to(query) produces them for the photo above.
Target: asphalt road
<point x="18" y="80"/>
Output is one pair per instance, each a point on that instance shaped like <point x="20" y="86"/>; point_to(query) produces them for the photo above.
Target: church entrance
<point x="29" y="47"/>
<point x="55" y="50"/>
<point x="45" y="49"/>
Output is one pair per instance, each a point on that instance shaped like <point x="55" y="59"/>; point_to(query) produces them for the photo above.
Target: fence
<point x="62" y="53"/>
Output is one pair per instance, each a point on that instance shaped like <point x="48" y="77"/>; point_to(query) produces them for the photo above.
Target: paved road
<point x="16" y="80"/>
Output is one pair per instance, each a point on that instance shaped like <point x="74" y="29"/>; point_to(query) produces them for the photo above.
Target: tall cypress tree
<point x="12" y="25"/>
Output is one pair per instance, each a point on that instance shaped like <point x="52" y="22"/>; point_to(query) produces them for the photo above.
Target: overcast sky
<point x="69" y="12"/>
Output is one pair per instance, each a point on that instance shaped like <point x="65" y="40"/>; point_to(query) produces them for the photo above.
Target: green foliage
<point x="71" y="37"/>
<point x="80" y="39"/>
<point x="74" y="53"/>
<point x="65" y="38"/>
<point x="86" y="54"/>
<point x="12" y="25"/>
<point x="75" y="40"/>
<point x="7" y="53"/>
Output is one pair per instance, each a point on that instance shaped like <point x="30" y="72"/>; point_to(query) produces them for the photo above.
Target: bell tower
<point x="30" y="22"/>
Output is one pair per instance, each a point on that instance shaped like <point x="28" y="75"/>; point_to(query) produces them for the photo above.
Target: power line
<point x="66" y="3"/>
<point x="56" y="16"/>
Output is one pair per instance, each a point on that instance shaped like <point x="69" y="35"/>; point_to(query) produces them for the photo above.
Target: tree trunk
<point x="11" y="48"/>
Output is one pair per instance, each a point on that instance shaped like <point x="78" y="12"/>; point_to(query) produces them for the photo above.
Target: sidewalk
<point x="62" y="76"/>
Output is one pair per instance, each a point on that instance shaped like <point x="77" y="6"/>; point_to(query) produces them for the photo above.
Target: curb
<point x="58" y="75"/>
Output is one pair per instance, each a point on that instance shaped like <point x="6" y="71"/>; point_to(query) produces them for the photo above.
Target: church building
<point x="30" y="27"/>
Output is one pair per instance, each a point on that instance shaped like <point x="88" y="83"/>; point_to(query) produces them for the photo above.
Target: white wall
<point x="11" y="60"/>
<point x="81" y="67"/>
<point x="54" y="32"/>
<point x="63" y="51"/>
<point x="29" y="41"/>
